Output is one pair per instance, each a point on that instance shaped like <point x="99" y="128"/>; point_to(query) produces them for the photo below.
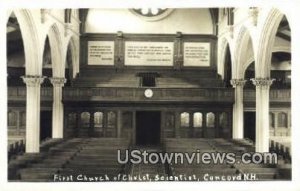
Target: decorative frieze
<point x="32" y="81"/>
<point x="238" y="82"/>
<point x="58" y="81"/>
<point x="262" y="82"/>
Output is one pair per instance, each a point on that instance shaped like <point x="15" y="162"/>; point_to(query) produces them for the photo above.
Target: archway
<point x="69" y="66"/>
<point x="16" y="121"/>
<point x="280" y="69"/>
<point x="227" y="67"/>
<point x="266" y="43"/>
<point x="46" y="113"/>
<point x="280" y="72"/>
<point x="71" y="59"/>
<point x="243" y="52"/>
<point x="15" y="52"/>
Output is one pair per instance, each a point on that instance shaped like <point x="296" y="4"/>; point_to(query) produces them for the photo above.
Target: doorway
<point x="148" y="128"/>
<point x="249" y="125"/>
<point x="45" y="125"/>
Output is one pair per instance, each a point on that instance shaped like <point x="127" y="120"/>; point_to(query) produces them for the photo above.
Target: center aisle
<point x="148" y="172"/>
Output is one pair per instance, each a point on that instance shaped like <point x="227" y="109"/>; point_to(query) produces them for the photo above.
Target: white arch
<point x="32" y="50"/>
<point x="266" y="43"/>
<point x="73" y="43"/>
<point x="222" y="55"/>
<point x="55" y="42"/>
<point x="243" y="50"/>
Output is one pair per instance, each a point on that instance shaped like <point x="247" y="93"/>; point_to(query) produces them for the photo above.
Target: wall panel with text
<point x="128" y="50"/>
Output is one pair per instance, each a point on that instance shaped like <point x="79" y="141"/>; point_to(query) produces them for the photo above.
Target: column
<point x="262" y="113"/>
<point x="133" y="134"/>
<point x="58" y="109"/>
<point x="217" y="124"/>
<point x="275" y="123"/>
<point x="105" y="115"/>
<point x="92" y="125"/>
<point x="33" y="90"/>
<point x="289" y="125"/>
<point x="191" y="125"/>
<point x="204" y="131"/>
<point x="177" y="124"/>
<point x="78" y="123"/>
<point x="119" y="123"/>
<point x="238" y="109"/>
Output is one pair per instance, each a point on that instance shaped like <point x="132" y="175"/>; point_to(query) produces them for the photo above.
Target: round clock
<point x="148" y="93"/>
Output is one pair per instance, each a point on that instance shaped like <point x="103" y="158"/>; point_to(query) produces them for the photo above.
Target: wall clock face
<point x="148" y="93"/>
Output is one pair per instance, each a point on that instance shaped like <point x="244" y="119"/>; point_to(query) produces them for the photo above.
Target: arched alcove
<point x="15" y="52"/>
<point x="47" y="63"/>
<point x="280" y="69"/>
<point x="227" y="67"/>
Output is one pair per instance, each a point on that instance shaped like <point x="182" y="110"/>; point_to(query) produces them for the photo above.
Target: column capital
<point x="32" y="81"/>
<point x="262" y="82"/>
<point x="58" y="81"/>
<point x="238" y="82"/>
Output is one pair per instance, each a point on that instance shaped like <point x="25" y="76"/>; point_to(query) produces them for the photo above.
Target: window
<point x="170" y="120"/>
<point x="223" y="120"/>
<point x="271" y="120"/>
<point x="12" y="119"/>
<point x="282" y="119"/>
<point x="72" y="119"/>
<point x="22" y="119"/>
<point x="210" y="119"/>
<point x="85" y="119"/>
<point x="111" y="119"/>
<point x="98" y="120"/>
<point x="127" y="120"/>
<point x="148" y="79"/>
<point x="197" y="119"/>
<point x="185" y="119"/>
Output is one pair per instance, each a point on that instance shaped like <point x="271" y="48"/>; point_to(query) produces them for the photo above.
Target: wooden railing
<point x="160" y="94"/>
<point x="276" y="95"/>
<point x="19" y="93"/>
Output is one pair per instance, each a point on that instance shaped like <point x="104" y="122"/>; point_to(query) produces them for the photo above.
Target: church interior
<point x="82" y="83"/>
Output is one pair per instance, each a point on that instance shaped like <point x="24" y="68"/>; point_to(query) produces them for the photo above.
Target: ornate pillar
<point x="33" y="90"/>
<point x="238" y="109"/>
<point x="58" y="109"/>
<point x="262" y="113"/>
